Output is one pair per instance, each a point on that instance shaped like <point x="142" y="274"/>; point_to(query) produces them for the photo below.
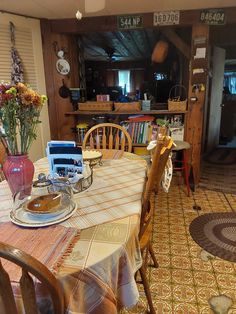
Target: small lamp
<point x="160" y="51"/>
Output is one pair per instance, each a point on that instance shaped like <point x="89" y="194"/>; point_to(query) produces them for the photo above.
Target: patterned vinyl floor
<point x="187" y="276"/>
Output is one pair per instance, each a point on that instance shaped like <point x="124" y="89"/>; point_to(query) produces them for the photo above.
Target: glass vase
<point x="19" y="172"/>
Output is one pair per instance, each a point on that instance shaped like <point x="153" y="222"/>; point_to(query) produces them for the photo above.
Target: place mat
<point x="48" y="245"/>
<point x="216" y="233"/>
<point x="111" y="153"/>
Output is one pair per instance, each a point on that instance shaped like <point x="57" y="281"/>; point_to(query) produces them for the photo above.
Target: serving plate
<point x="92" y="156"/>
<point x="23" y="218"/>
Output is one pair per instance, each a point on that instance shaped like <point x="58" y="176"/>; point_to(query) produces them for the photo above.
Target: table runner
<point x="48" y="245"/>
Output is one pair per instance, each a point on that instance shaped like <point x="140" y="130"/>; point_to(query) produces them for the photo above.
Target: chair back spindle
<point x="30" y="267"/>
<point x="108" y="136"/>
<point x="104" y="138"/>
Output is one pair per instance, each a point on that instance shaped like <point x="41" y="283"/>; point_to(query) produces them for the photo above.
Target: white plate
<point x="63" y="66"/>
<point x="23" y="218"/>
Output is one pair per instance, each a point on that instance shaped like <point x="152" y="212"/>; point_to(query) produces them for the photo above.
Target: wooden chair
<point x="2" y="177"/>
<point x="108" y="136"/>
<point x="38" y="270"/>
<point x="159" y="159"/>
<point x="2" y="159"/>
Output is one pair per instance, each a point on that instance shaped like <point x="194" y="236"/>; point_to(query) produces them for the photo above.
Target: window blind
<point x="25" y="48"/>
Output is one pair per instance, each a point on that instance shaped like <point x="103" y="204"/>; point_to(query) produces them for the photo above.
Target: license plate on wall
<point x="166" y="18"/>
<point x="129" y="21"/>
<point x="212" y="17"/>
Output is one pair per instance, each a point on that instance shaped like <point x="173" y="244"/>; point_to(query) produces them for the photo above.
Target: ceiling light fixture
<point x="94" y="6"/>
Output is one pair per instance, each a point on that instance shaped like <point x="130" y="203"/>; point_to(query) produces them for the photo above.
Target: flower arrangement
<point x="20" y="108"/>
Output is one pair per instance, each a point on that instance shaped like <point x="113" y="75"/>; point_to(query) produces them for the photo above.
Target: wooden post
<point x="198" y="78"/>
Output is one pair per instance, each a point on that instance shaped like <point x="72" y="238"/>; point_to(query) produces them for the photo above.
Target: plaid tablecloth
<point x="107" y="253"/>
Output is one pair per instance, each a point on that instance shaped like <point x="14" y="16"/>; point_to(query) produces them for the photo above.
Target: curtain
<point x="136" y="79"/>
<point x="124" y="80"/>
<point x="230" y="82"/>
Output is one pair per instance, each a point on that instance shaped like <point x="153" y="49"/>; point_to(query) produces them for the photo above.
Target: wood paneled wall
<point x="60" y="125"/>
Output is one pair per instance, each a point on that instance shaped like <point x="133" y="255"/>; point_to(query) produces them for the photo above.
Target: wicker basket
<point x="127" y="106"/>
<point x="177" y="103"/>
<point x="96" y="106"/>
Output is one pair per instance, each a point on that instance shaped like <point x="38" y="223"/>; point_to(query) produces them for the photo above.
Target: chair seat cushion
<point x="180" y="145"/>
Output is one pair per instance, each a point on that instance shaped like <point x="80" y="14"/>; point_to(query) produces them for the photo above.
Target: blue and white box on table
<point x="65" y="159"/>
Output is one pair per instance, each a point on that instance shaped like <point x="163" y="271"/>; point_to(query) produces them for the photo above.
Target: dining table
<point x="95" y="252"/>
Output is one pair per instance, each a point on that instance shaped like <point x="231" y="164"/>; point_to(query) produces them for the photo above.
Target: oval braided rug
<point x="216" y="233"/>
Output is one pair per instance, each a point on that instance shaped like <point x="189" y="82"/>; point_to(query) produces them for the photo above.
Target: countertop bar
<point x="82" y="112"/>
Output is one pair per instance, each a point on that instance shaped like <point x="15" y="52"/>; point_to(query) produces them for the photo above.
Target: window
<point x="28" y="43"/>
<point x="230" y="82"/>
<point x="24" y="46"/>
<point x="124" y="80"/>
<point x="160" y="76"/>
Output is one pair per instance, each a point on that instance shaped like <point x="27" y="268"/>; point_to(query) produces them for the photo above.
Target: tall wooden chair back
<point x="2" y="159"/>
<point x="159" y="160"/>
<point x="2" y="177"/>
<point x="108" y="136"/>
<point x="30" y="266"/>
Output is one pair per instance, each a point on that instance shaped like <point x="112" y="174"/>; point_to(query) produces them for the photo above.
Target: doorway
<point x="228" y="114"/>
<point x="219" y="163"/>
<point x="215" y="99"/>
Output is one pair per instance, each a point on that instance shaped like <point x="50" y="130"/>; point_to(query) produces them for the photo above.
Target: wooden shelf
<point x="116" y="113"/>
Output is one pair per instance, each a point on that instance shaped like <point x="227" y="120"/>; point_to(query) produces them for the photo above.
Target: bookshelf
<point x="139" y="129"/>
<point x="119" y="116"/>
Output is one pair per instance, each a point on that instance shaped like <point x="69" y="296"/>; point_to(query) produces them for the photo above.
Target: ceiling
<point x="59" y="9"/>
<point x="119" y="46"/>
<point x="133" y="45"/>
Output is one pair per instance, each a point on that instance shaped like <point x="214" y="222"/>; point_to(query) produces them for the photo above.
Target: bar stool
<point x="182" y="165"/>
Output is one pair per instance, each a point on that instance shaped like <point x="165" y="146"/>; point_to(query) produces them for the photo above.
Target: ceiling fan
<point x="111" y="54"/>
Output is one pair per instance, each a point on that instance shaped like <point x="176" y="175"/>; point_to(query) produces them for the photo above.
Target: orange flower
<point x="20" y="108"/>
<point x="27" y="98"/>
<point x="21" y="87"/>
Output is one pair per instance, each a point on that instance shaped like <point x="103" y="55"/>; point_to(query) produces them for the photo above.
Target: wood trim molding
<point x="109" y="23"/>
<point x="48" y="60"/>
